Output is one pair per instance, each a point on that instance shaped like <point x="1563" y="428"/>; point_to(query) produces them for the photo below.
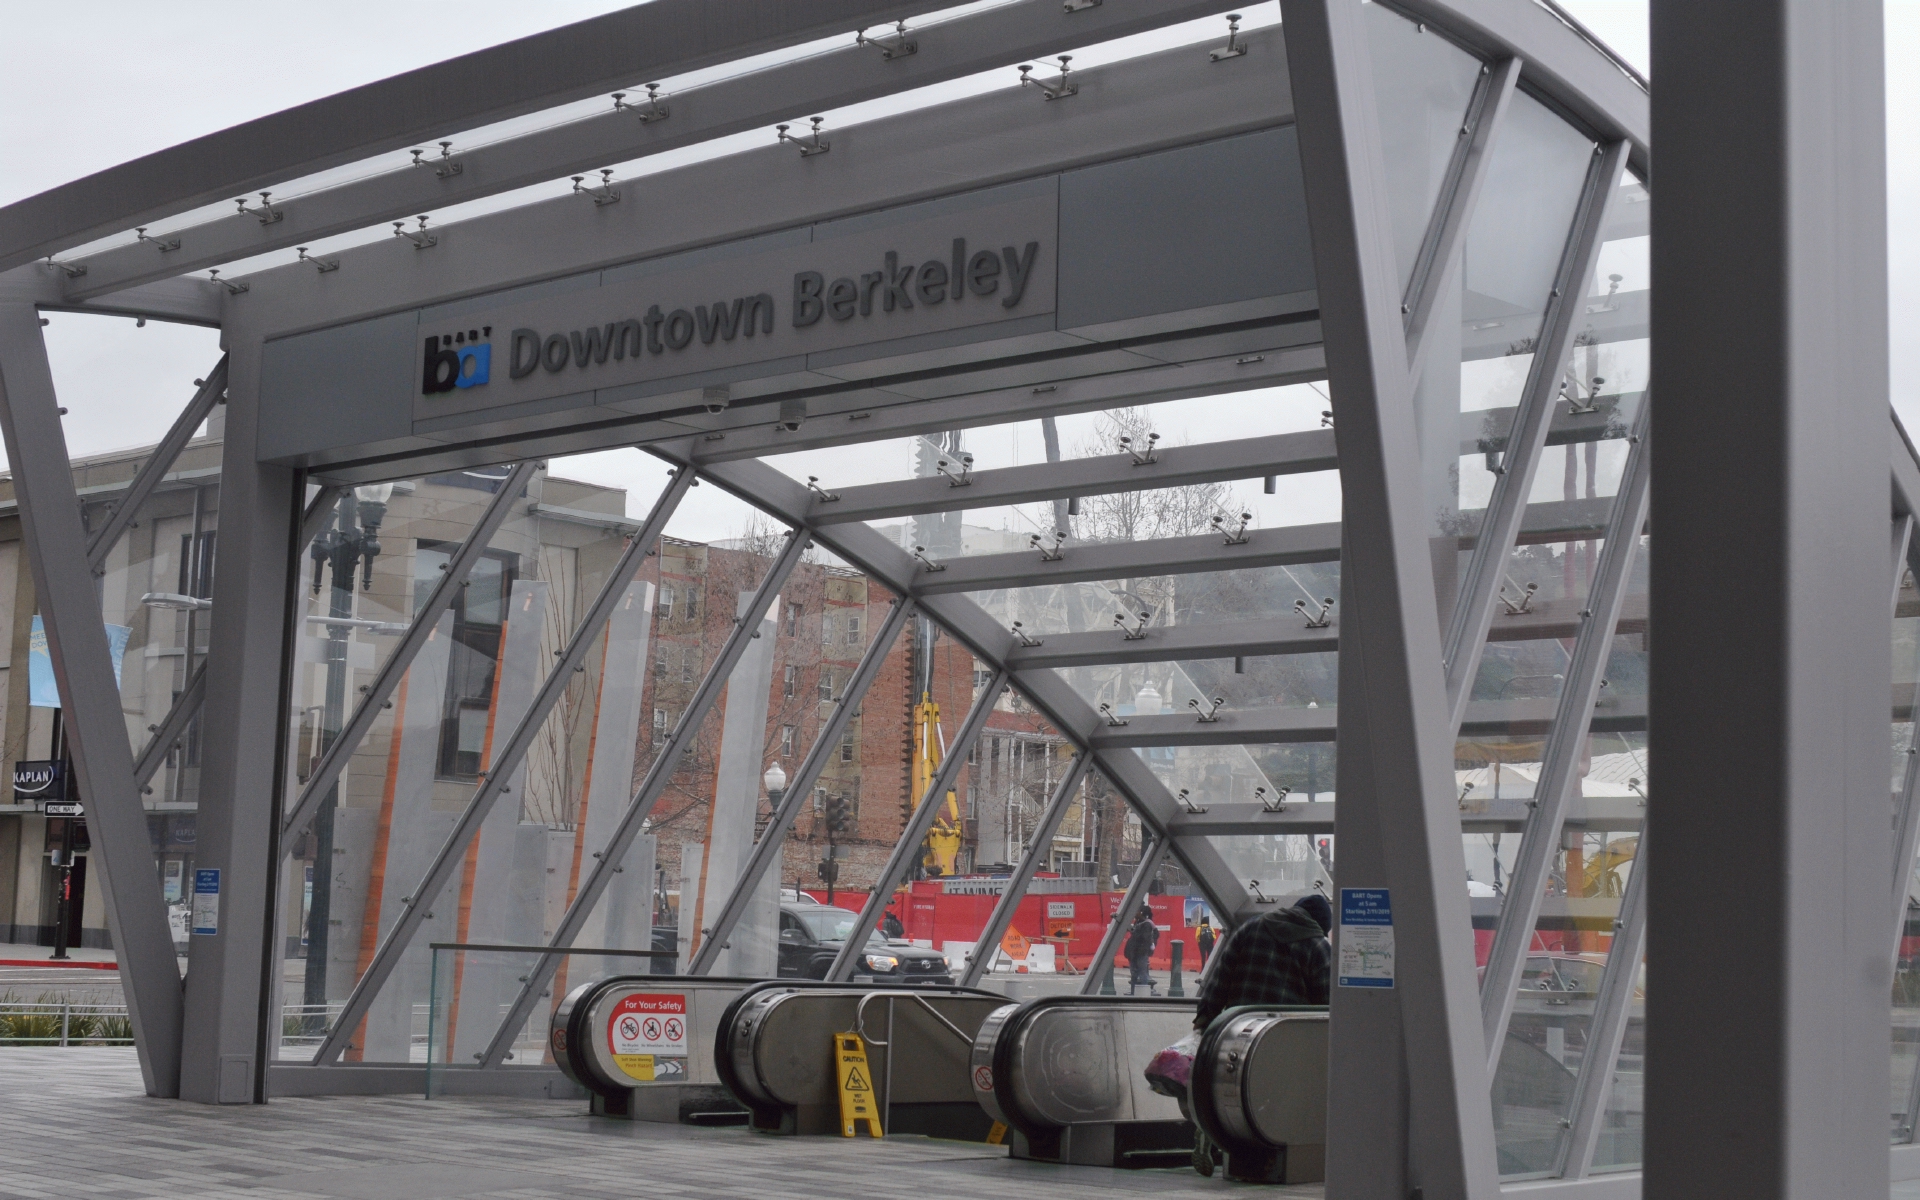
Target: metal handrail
<point x="860" y="1016"/>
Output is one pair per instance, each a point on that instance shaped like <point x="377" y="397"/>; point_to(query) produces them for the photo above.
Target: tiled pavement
<point x="78" y="1126"/>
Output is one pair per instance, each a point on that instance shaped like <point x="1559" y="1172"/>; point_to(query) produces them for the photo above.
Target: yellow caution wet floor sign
<point x="856" y="1085"/>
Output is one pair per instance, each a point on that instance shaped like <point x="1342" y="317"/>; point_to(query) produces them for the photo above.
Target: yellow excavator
<point x="942" y="847"/>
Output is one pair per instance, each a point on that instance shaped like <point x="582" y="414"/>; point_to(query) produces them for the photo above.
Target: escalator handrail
<point x="1033" y="1126"/>
<point x="723" y="1032"/>
<point x="1200" y="1089"/>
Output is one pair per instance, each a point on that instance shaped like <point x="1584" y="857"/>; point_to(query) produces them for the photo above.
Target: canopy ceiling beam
<point x="821" y="82"/>
<point x="1153" y="102"/>
<point x="558" y="66"/>
<point x="1298" y="815"/>
<point x="1149" y="467"/>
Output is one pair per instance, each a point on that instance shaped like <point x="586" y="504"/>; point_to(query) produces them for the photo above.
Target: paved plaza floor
<point x="79" y="1127"/>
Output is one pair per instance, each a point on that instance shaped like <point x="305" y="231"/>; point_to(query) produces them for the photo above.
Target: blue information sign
<point x="1366" y="938"/>
<point x="206" y="901"/>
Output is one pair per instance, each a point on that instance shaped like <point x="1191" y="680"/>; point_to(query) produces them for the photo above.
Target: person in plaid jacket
<point x="1281" y="958"/>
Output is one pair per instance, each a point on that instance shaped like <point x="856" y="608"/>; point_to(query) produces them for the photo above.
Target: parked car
<point x="811" y="936"/>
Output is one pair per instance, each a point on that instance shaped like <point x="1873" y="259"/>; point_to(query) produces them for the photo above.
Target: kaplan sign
<point x="651" y="330"/>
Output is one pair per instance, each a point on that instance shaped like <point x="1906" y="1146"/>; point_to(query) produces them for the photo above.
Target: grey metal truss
<point x="1171" y="466"/>
<point x="766" y="851"/>
<point x="1297" y="815"/>
<point x="1472" y="611"/>
<point x="1606" y="1032"/>
<point x="817" y="83"/>
<point x="1170" y="643"/>
<point x="871" y="552"/>
<point x="666" y="760"/>
<point x="1437" y="268"/>
<point x="212" y="391"/>
<point x="56" y="546"/>
<point x="1566" y="745"/>
<point x="500" y="768"/>
<point x="559" y="66"/>
<point x="1152" y="854"/>
<point x="908" y="847"/>
<point x="1902" y="539"/>
<point x="171" y="727"/>
<point x="1038" y="847"/>
<point x="334" y="760"/>
<point x="1142" y="104"/>
<point x="1399" y="823"/>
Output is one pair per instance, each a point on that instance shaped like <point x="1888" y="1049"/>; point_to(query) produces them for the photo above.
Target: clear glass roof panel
<point x="1422" y="84"/>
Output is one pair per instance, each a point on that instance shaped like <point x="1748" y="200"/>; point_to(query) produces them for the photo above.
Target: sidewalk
<point x="16" y="954"/>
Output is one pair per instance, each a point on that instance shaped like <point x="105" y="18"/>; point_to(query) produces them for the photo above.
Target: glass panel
<point x="460" y="698"/>
<point x="155" y="593"/>
<point x="1547" y="1038"/>
<point x="1422" y="84"/>
<point x="1486" y="328"/>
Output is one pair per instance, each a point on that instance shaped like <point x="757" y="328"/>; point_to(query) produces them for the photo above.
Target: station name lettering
<point x="896" y="287"/>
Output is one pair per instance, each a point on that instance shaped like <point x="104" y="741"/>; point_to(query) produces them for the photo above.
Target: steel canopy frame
<point x="561" y="65"/>
<point x="1399" y="824"/>
<point x="83" y="667"/>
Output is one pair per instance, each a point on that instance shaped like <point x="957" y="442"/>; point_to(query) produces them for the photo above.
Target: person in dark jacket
<point x="892" y="928"/>
<point x="1203" y="938"/>
<point x="1281" y="958"/>
<point x="1141" y="938"/>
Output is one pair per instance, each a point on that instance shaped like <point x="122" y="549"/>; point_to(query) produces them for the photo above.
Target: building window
<point x="826" y="629"/>
<point x="853" y="631"/>
<point x="846" y="747"/>
<point x="690" y="608"/>
<point x="479" y="614"/>
<point x="660" y="660"/>
<point x="786" y="741"/>
<point x="659" y="722"/>
<point x="666" y="604"/>
<point x="786" y="682"/>
<point x="826" y="684"/>
<point x="819" y="799"/>
<point x="793" y="619"/>
<point x="686" y="664"/>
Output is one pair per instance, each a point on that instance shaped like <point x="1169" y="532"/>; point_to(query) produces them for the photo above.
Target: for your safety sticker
<point x="647" y="1034"/>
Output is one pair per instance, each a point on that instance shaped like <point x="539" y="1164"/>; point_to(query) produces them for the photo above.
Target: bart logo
<point x="456" y="360"/>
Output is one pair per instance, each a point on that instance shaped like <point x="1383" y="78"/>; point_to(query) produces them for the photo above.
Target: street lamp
<point x="347" y="546"/>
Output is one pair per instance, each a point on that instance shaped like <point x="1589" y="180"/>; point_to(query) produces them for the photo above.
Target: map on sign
<point x="1366" y="938"/>
<point x="647" y="1035"/>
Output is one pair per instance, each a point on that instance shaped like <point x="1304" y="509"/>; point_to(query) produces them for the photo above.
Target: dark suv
<point x="811" y="936"/>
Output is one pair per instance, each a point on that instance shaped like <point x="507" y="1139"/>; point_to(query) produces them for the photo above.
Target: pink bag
<point x="1171" y="1070"/>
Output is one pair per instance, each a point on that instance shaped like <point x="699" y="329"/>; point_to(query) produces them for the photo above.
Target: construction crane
<point x="942" y="847"/>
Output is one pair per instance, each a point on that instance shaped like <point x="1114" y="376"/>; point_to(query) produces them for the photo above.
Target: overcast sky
<point x="87" y="84"/>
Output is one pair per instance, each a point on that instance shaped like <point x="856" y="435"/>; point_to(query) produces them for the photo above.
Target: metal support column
<point x="666" y="760"/>
<point x="504" y="763"/>
<point x="905" y="850"/>
<point x="56" y="546"/>
<point x="767" y="850"/>
<point x="1566" y="746"/>
<point x="1767" y="714"/>
<point x="227" y="1031"/>
<point x="1037" y="850"/>
<point x="1401" y="819"/>
<point x="1151" y="856"/>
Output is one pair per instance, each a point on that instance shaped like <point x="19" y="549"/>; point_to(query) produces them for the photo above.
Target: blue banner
<point x="42" y="691"/>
